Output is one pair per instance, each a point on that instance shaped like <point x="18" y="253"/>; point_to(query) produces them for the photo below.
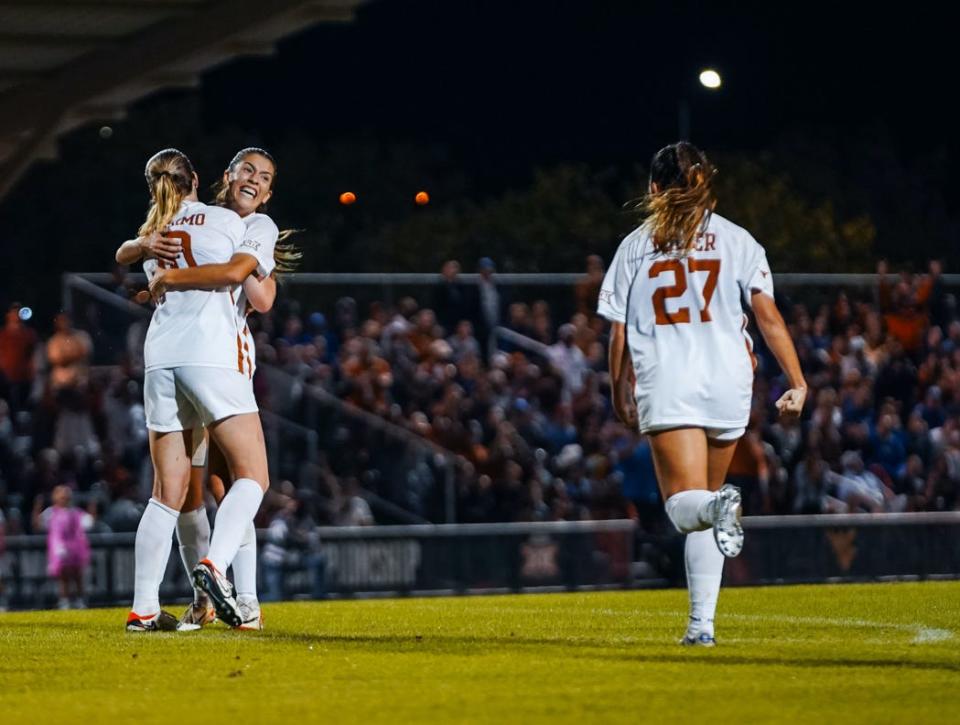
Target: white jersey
<point x="685" y="324"/>
<point x="198" y="327"/>
<point x="260" y="239"/>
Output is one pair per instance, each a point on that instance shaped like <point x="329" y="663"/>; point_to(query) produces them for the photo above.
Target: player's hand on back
<point x="791" y="402"/>
<point x="158" y="285"/>
<point x="157" y="246"/>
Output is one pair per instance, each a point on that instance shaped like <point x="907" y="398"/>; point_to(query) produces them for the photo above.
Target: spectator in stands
<point x="749" y="469"/>
<point x="463" y="343"/>
<point x="542" y="322"/>
<point x="487" y="306"/>
<point x="886" y="445"/>
<point x="68" y="352"/>
<point x="278" y="551"/>
<point x="68" y="551"/>
<point x="912" y="484"/>
<point x="424" y="333"/>
<point x="905" y="307"/>
<point x="861" y="490"/>
<point x="568" y="360"/>
<point x="587" y="290"/>
<point x="634" y="464"/>
<point x="451" y="296"/>
<point x="354" y="511"/>
<point x="812" y="484"/>
<point x="519" y="320"/>
<point x="367" y="378"/>
<point x="18" y="343"/>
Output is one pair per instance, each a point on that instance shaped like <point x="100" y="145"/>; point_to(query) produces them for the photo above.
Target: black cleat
<point x="220" y="590"/>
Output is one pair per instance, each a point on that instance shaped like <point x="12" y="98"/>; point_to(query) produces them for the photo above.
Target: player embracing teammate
<point x="197" y="376"/>
<point x="681" y="360"/>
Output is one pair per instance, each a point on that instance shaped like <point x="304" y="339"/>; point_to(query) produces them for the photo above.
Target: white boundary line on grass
<point x="922" y="634"/>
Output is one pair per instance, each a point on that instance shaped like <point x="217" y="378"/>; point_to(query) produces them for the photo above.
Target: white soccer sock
<point x="704" y="564"/>
<point x="237" y="510"/>
<point x="151" y="552"/>
<point x="245" y="565"/>
<point x="193" y="533"/>
<point x="690" y="510"/>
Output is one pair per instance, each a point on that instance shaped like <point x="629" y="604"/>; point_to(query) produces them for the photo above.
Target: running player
<point x="681" y="361"/>
<point x="189" y="384"/>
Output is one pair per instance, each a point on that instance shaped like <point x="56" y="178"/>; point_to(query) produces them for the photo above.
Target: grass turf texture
<point x="856" y="653"/>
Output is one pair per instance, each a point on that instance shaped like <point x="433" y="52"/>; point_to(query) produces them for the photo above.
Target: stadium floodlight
<point x="709" y="78"/>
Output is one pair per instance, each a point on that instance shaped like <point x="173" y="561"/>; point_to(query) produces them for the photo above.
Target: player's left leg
<point x="702" y="557"/>
<point x="155" y="532"/>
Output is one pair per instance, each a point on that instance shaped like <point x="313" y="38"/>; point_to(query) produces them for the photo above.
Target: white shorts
<point x="716" y="434"/>
<point x="189" y="397"/>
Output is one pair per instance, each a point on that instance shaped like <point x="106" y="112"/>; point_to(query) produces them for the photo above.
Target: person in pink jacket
<point x="68" y="550"/>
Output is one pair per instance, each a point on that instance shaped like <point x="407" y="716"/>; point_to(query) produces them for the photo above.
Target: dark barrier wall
<point x="391" y="559"/>
<point x="856" y="547"/>
<point x="465" y="558"/>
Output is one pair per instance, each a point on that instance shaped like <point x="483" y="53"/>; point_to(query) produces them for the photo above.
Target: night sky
<point x="510" y="84"/>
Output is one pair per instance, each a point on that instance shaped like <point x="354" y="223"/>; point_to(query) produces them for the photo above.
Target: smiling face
<point x="249" y="183"/>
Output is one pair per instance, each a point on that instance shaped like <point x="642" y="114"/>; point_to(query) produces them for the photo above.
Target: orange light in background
<point x="347" y="198"/>
<point x="422" y="198"/>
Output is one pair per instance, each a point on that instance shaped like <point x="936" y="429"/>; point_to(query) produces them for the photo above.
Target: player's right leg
<point x="702" y="557"/>
<point x="727" y="531"/>
<point x="684" y="460"/>
<point x="681" y="459"/>
<point x="245" y="562"/>
<point x="169" y="438"/>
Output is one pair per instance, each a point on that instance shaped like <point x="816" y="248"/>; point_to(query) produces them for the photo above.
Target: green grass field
<point x="851" y="653"/>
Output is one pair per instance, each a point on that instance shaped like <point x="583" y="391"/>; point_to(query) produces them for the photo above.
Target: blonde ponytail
<point x="169" y="175"/>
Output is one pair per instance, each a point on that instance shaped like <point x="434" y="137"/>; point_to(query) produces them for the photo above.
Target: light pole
<point x="710" y="79"/>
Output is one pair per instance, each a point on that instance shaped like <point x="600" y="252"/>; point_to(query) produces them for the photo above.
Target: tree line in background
<point x="815" y="203"/>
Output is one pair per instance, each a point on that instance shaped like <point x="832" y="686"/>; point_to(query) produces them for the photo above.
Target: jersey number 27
<point x="679" y="286"/>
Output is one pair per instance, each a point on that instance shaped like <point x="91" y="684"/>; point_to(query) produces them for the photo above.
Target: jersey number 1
<point x="679" y="286"/>
<point x="184" y="238"/>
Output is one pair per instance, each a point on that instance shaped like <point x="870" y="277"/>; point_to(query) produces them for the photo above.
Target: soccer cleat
<point x="220" y="590"/>
<point x="251" y="615"/>
<point x="197" y="614"/>
<point x="727" y="531"/>
<point x="703" y="639"/>
<point x="159" y="622"/>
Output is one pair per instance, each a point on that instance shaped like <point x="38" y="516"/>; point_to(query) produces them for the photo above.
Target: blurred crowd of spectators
<point x="526" y="413"/>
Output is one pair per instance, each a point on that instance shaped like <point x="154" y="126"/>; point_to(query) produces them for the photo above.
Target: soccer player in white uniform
<point x="246" y="187"/>
<point x="194" y="376"/>
<point x="681" y="361"/>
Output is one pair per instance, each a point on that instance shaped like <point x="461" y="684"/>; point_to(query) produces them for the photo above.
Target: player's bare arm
<point x="150" y="246"/>
<point x="261" y="293"/>
<point x="775" y="332"/>
<point x="204" y="277"/>
<point x="621" y="376"/>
